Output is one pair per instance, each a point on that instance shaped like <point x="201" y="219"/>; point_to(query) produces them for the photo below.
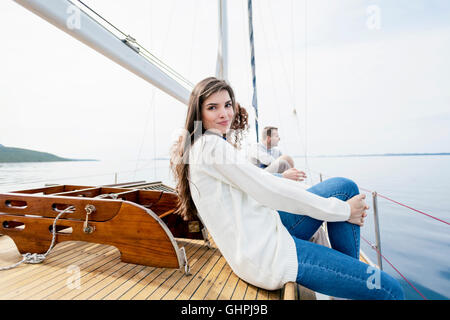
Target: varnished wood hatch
<point x="141" y="224"/>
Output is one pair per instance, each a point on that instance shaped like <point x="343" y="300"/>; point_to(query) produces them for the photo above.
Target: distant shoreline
<point x="19" y="155"/>
<point x="379" y="155"/>
<point x="41" y="161"/>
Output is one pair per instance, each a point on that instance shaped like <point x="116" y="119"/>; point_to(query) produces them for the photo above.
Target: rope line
<point x="401" y="204"/>
<point x="374" y="247"/>
<point x="421" y="212"/>
<point x="292" y="92"/>
<point x="147" y="54"/>
<point x="35" y="258"/>
<point x="253" y="67"/>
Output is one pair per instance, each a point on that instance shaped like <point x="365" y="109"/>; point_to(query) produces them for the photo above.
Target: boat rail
<point x="377" y="245"/>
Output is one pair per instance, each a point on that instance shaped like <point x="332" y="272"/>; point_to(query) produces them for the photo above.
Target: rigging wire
<point x="374" y="247"/>
<point x="291" y="90"/>
<point x="145" y="130"/>
<point x="98" y="15"/>
<point x="145" y="53"/>
<point x="404" y="205"/>
<point x="306" y="83"/>
<point x="152" y="105"/>
<point x="272" y="73"/>
<point x="399" y="203"/>
<point x="294" y="67"/>
<point x="245" y="45"/>
<point x="252" y="63"/>
<point x="149" y="108"/>
<point x="194" y="28"/>
<point x="278" y="46"/>
<point x="292" y="94"/>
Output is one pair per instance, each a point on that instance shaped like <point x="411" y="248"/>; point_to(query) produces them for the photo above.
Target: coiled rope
<point x="34" y="258"/>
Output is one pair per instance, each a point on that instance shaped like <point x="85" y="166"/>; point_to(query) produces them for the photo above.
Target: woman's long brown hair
<point x="193" y="130"/>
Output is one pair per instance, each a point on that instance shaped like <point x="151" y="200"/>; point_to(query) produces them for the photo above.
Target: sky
<point x="363" y="76"/>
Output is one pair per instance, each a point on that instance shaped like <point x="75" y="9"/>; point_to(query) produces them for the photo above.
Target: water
<point x="416" y="245"/>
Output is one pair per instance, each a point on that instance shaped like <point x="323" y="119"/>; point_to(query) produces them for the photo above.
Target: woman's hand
<point x="358" y="209"/>
<point x="294" y="174"/>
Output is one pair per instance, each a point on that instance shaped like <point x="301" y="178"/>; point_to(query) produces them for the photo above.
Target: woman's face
<point x="217" y="112"/>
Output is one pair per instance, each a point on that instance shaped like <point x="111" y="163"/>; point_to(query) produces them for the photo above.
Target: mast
<point x="72" y="20"/>
<point x="252" y="62"/>
<point x="222" y="54"/>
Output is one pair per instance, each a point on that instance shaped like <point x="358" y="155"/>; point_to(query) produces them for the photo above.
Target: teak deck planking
<point x="104" y="276"/>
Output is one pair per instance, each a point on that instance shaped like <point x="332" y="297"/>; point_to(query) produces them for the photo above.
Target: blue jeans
<point x="337" y="272"/>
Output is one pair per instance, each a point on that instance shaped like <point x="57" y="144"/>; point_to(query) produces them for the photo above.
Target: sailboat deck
<point x="103" y="276"/>
<point x="90" y="271"/>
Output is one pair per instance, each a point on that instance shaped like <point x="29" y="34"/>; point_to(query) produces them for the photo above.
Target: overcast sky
<point x="363" y="76"/>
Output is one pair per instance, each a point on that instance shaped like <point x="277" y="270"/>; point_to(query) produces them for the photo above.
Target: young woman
<point x="262" y="223"/>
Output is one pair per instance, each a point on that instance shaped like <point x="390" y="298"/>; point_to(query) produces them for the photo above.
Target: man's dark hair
<point x="267" y="131"/>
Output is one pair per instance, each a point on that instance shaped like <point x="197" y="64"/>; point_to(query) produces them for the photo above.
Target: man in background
<point x="267" y="156"/>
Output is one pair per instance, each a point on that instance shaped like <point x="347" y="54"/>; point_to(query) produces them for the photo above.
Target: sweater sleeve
<point x="271" y="191"/>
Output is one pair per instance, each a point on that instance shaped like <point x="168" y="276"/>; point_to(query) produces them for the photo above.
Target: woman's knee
<point x="347" y="184"/>
<point x="392" y="286"/>
<point x="398" y="292"/>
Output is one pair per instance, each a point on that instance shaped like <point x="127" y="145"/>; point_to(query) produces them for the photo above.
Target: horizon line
<point x="379" y="154"/>
<point x="166" y="157"/>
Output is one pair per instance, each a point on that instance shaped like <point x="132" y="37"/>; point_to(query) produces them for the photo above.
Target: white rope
<point x="113" y="196"/>
<point x="34" y="258"/>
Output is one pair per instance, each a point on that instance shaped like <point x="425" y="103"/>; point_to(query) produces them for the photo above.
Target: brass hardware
<point x="86" y="227"/>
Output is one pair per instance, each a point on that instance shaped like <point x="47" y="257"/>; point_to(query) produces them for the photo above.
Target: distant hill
<point x="9" y="154"/>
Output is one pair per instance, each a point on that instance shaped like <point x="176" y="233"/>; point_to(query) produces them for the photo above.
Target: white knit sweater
<point x="237" y="202"/>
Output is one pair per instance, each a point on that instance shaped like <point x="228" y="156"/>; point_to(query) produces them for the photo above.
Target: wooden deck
<point x="86" y="271"/>
<point x="102" y="275"/>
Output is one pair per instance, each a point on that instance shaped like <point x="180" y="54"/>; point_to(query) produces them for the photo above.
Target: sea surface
<point x="416" y="245"/>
